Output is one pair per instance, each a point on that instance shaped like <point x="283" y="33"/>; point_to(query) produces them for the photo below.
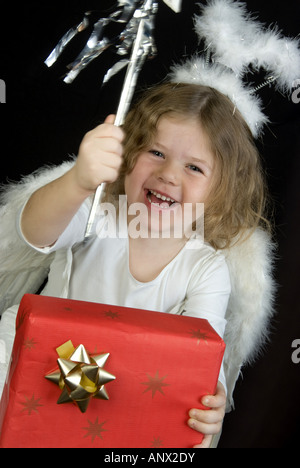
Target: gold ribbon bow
<point x="81" y="377"/>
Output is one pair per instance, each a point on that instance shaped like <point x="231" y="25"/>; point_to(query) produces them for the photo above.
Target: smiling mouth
<point x="159" y="200"/>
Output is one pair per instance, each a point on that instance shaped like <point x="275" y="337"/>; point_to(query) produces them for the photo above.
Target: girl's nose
<point x="168" y="173"/>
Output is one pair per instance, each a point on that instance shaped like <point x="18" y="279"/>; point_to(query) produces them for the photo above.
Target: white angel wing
<point x="22" y="270"/>
<point x="250" y="307"/>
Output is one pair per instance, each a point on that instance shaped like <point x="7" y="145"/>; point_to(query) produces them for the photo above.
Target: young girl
<point x="181" y="145"/>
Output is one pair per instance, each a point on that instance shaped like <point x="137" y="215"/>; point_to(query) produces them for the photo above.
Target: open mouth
<point x="159" y="200"/>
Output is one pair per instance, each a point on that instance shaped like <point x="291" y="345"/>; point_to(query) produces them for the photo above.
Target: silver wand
<point x="137" y="36"/>
<point x="142" y="46"/>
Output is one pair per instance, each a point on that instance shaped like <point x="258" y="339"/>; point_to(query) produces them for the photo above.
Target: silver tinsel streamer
<point x="130" y="13"/>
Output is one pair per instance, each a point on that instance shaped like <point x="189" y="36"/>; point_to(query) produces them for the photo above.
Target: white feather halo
<point x="236" y="40"/>
<point x="228" y="32"/>
<point x="221" y="78"/>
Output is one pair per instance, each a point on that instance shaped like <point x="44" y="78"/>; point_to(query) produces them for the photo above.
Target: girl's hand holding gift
<point x="209" y="422"/>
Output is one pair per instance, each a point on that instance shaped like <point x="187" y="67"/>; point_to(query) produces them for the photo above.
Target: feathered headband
<point x="234" y="41"/>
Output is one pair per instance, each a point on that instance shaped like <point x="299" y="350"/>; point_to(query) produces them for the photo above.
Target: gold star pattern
<point x="199" y="335"/>
<point x="94" y="429"/>
<point x="29" y="343"/>
<point x="157" y="442"/>
<point x="31" y="405"/>
<point x="155" y="384"/>
<point x="112" y="315"/>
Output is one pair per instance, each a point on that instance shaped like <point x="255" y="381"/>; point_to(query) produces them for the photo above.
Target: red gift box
<point x="164" y="364"/>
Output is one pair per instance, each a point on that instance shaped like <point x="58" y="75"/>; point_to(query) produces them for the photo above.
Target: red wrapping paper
<point x="164" y="364"/>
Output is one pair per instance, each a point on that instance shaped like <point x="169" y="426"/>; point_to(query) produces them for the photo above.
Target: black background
<point x="44" y="120"/>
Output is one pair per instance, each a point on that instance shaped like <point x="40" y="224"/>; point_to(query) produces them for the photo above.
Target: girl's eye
<point x="195" y="168"/>
<point x="157" y="153"/>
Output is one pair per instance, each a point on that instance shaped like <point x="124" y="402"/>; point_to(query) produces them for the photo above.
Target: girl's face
<point x="175" y="171"/>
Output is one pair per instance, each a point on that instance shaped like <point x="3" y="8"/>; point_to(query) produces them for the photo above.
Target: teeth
<point x="162" y="197"/>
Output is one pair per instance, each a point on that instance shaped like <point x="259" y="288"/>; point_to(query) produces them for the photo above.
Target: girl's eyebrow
<point x="159" y="145"/>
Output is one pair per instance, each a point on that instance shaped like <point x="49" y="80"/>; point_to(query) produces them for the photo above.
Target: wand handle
<point x="97" y="198"/>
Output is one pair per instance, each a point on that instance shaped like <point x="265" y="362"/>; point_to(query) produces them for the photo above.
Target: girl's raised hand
<point x="100" y="156"/>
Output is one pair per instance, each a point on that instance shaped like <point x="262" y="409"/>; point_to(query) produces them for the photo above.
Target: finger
<point x="215" y="401"/>
<point x="204" y="428"/>
<point x="110" y="175"/>
<point x="110" y="119"/>
<point x="208" y="416"/>
<point x="110" y="146"/>
<point x="107" y="152"/>
<point x="206" y="442"/>
<point x="109" y="131"/>
<point x="106" y="130"/>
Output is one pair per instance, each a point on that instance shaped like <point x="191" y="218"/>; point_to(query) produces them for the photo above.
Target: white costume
<point x="195" y="283"/>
